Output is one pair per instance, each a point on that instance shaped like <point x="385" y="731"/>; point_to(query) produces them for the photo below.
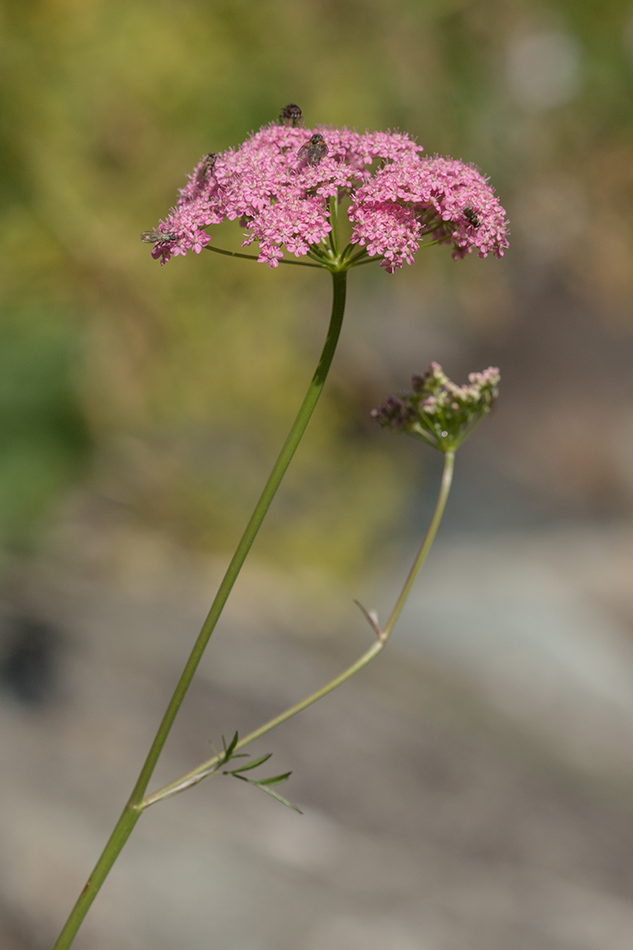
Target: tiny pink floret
<point x="395" y="198"/>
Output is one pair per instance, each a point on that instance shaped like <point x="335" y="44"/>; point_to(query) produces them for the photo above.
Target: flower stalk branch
<point x="253" y="257"/>
<point x="211" y="765"/>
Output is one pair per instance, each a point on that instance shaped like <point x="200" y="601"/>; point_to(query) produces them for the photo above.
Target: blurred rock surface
<point x="470" y="789"/>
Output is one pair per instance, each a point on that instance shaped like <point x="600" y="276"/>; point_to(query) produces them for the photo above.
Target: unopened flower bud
<point x="438" y="411"/>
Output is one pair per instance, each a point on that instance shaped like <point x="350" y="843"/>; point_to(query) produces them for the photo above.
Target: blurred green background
<point x="139" y="401"/>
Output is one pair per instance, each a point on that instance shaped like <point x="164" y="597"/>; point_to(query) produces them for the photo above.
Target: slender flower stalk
<point x="133" y="809"/>
<point x="429" y="538"/>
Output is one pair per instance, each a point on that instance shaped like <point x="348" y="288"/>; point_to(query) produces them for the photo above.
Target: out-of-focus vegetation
<point x="44" y="441"/>
<point x="185" y="378"/>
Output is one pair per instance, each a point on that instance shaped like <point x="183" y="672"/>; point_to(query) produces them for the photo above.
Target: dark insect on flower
<point x="290" y="115"/>
<point x="206" y="169"/>
<point x="471" y="217"/>
<point x="157" y="237"/>
<point x="314" y="150"/>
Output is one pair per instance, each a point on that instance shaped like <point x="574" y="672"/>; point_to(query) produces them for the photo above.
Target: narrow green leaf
<point x="265" y="784"/>
<point x="229" y="749"/>
<point x="254" y="763"/>
<point x="274" y="779"/>
<point x="236" y="755"/>
<point x="280" y="798"/>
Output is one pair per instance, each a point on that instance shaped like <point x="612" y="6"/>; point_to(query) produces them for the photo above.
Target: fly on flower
<point x="314" y="150"/>
<point x="291" y="115"/>
<point x="156" y="237"/>
<point x="206" y="169"/>
<point x="471" y="216"/>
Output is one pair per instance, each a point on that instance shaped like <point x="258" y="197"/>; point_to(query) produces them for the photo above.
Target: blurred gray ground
<point x="471" y="789"/>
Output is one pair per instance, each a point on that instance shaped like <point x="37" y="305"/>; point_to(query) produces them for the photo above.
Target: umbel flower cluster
<point x="285" y="185"/>
<point x="437" y="410"/>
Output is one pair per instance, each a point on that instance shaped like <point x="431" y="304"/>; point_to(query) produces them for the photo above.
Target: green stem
<point x="122" y="831"/>
<point x="334" y="240"/>
<point x="440" y="505"/>
<point x="210" y="766"/>
<point x="133" y="808"/>
<point x="363" y="259"/>
<point x="253" y="257"/>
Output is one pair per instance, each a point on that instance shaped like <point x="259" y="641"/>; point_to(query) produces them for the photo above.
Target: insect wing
<point x="156" y="237"/>
<point x="314" y="150"/>
<point x="206" y="169"/>
<point x="317" y="151"/>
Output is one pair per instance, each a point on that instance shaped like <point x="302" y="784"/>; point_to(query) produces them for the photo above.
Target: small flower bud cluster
<point x="438" y="411"/>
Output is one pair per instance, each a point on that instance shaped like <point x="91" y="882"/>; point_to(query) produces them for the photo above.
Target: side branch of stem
<point x="209" y="767"/>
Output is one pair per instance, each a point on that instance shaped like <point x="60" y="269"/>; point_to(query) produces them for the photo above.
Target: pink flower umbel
<point x="438" y="411"/>
<point x="285" y="185"/>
